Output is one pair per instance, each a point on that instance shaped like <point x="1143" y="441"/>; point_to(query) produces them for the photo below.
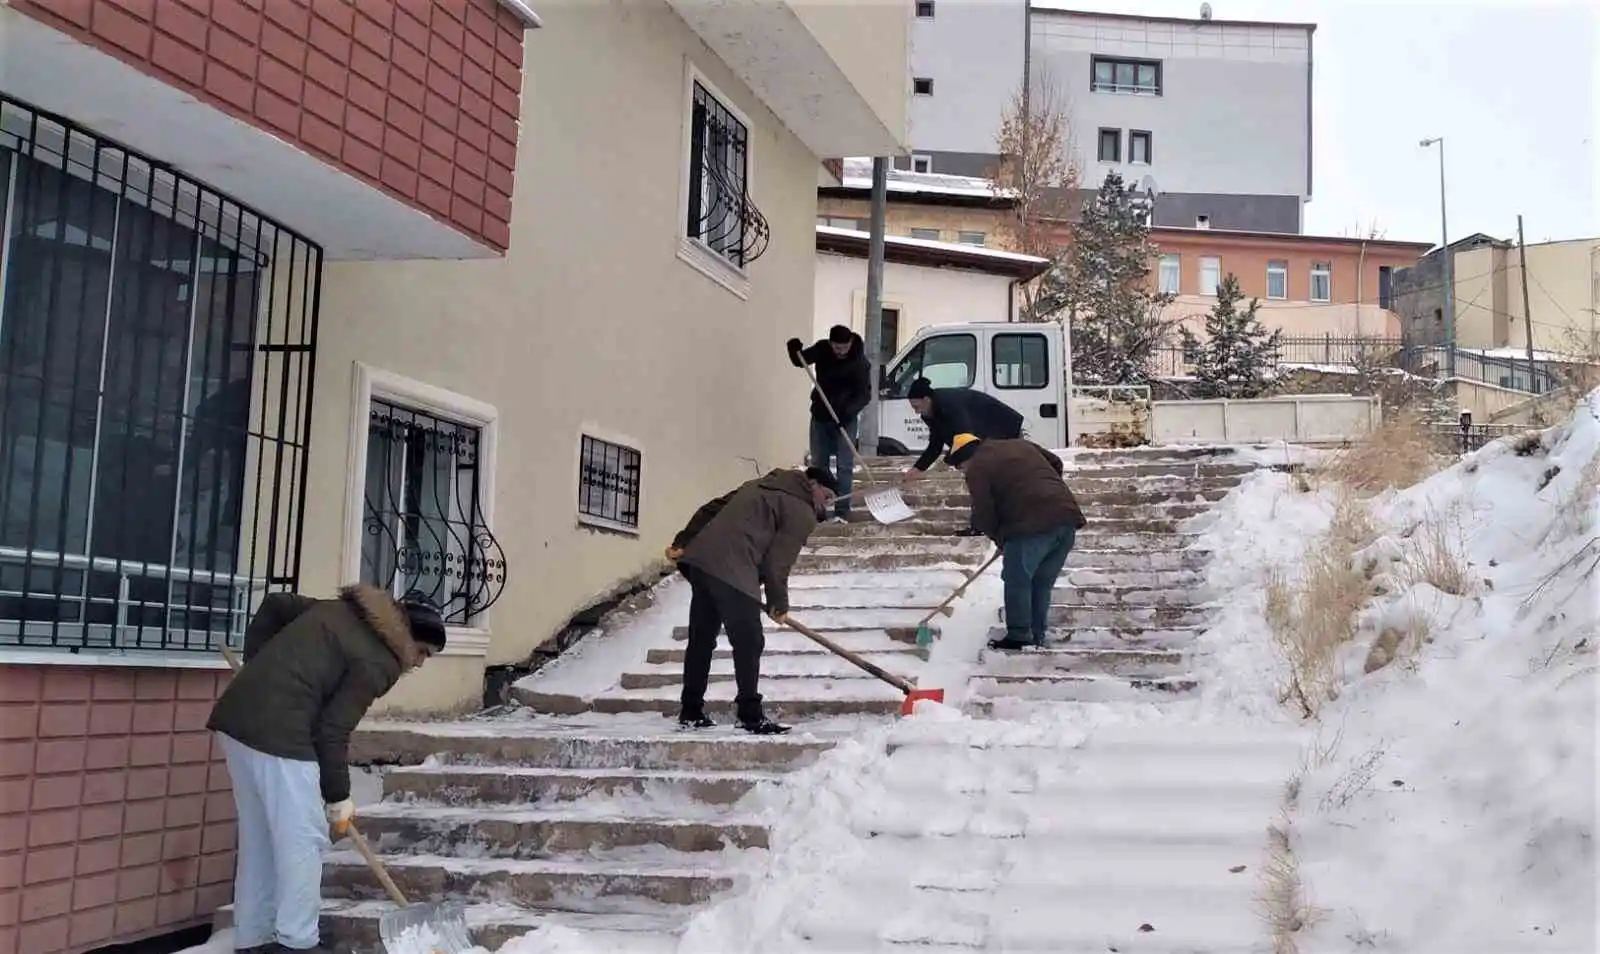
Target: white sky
<point x="1512" y="87"/>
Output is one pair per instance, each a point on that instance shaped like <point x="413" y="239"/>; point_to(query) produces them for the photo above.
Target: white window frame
<point x="599" y="433"/>
<point x="693" y="251"/>
<point x="1215" y="268"/>
<point x="370" y="382"/>
<point x="964" y="235"/>
<point x="1174" y="287"/>
<point x="1323" y="270"/>
<point x="924" y="159"/>
<point x="1134" y="135"/>
<point x="1279" y="268"/>
<point x="938" y="234"/>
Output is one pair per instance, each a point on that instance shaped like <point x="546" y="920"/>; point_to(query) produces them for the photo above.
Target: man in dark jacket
<point x="1021" y="503"/>
<point x="845" y="378"/>
<point x="311" y="669"/>
<point x="734" y="547"/>
<point x="952" y="411"/>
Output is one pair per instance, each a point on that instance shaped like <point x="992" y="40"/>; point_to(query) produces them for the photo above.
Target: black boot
<point x="695" y="720"/>
<point x="762" y="726"/>
<point x="1010" y="644"/>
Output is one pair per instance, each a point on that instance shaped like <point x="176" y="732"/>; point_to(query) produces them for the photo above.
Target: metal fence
<point x="157" y="344"/>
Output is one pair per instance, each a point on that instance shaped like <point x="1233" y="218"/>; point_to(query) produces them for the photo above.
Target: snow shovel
<point x="885" y="504"/>
<point x="913" y="694"/>
<point x="924" y="634"/>
<point x="414" y="928"/>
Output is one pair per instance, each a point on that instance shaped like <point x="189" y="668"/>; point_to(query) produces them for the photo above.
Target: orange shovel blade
<point x="917" y="695"/>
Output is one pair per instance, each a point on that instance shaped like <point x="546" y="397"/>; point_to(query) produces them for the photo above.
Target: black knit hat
<point x="921" y="389"/>
<point x="427" y="626"/>
<point x="819" y="476"/>
<point x="839" y="334"/>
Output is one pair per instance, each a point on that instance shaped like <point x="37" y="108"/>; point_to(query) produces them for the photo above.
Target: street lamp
<point x="1449" y="266"/>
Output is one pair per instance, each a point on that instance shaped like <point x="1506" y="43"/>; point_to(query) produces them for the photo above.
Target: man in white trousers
<point x="311" y="670"/>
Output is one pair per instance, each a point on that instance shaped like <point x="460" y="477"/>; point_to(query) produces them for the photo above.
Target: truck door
<point x="947" y="360"/>
<point x="1022" y="374"/>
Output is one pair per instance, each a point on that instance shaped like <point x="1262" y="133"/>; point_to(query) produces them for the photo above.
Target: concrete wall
<point x="1311" y="418"/>
<point x="973" y="52"/>
<point x="1233" y="116"/>
<point x="116" y="814"/>
<point x="924" y="296"/>
<point x="594" y="321"/>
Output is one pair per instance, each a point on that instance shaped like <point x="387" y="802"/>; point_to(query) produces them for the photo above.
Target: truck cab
<point x="1025" y="365"/>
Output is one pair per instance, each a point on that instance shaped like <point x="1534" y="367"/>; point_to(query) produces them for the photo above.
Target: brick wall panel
<point x="289" y="68"/>
<point x="116" y="816"/>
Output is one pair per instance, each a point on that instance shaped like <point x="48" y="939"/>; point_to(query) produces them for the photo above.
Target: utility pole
<point x="1527" y="311"/>
<point x="874" y="338"/>
<point x="1449" y="267"/>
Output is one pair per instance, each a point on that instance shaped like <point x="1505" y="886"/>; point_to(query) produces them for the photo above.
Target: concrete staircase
<point x="591" y="810"/>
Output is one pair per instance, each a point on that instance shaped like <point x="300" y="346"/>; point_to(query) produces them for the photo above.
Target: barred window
<point x="608" y="484"/>
<point x="720" y="212"/>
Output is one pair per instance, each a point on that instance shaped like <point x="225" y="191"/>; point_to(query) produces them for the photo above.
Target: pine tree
<point x="1238" y="353"/>
<point x="1102" y="287"/>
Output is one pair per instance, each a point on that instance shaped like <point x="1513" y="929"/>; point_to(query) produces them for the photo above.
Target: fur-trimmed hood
<point x="382" y="613"/>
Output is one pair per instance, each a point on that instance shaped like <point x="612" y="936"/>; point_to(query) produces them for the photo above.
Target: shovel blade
<point x="425" y="929"/>
<point x="887" y="506"/>
<point x="917" y="695"/>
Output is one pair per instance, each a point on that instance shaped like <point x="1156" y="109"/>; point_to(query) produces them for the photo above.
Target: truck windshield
<point x="947" y="361"/>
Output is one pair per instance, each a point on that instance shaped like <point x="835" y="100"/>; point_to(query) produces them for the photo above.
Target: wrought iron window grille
<point x="721" y="213"/>
<point x="423" y="522"/>
<point x="608" y="483"/>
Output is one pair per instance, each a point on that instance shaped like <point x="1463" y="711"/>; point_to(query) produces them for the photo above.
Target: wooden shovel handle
<point x="838" y="423"/>
<point x="849" y="656"/>
<point x="360" y="840"/>
<point x="960" y="590"/>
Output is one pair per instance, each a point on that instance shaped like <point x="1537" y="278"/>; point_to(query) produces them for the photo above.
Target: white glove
<point x="340" y="815"/>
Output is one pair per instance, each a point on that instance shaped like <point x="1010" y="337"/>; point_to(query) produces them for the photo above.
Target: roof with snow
<point x="927" y="188"/>
<point x="931" y="254"/>
<point x="1070" y="8"/>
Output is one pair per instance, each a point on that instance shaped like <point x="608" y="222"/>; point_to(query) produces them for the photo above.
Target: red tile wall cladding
<point x="116" y="815"/>
<point x="418" y="97"/>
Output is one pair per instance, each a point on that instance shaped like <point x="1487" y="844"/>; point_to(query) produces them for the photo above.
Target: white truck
<point x="1025" y="365"/>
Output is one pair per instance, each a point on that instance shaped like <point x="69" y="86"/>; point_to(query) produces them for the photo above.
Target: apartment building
<point x="1213" y="116"/>
<point x="300" y="295"/>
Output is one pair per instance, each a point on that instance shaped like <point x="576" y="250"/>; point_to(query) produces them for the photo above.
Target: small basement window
<point x="922" y="85"/>
<point x="608" y="484"/>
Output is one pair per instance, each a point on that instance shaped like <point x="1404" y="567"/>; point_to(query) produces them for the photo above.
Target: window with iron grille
<point x="424" y="529"/>
<point x="608" y="484"/>
<point x="721" y="214"/>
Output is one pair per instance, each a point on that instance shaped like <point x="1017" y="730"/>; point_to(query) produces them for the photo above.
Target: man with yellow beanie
<point x="1020" y="501"/>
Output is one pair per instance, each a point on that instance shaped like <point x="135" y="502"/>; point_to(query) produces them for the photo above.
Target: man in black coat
<point x="845" y="377"/>
<point x="951" y="411"/>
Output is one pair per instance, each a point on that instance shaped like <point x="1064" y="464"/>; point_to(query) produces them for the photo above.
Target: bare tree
<point x="1038" y="168"/>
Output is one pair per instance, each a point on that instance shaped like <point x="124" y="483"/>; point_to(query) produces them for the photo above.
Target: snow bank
<point x="1449" y="804"/>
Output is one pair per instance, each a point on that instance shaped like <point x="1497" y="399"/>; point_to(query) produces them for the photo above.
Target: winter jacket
<point x="965" y="411"/>
<point x="846" y="381"/>
<point x="754" y="538"/>
<point x="311" y="670"/>
<point x="1017" y="490"/>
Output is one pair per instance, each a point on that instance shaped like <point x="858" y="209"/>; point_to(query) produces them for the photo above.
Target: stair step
<point x="418" y="828"/>
<point x="861" y="700"/>
<point x="821" y="665"/>
<point x="772" y="654"/>
<point x="1082" y="577"/>
<point x="1068" y="686"/>
<point x="1116" y="662"/>
<point x="847" y="561"/>
<point x="569" y="883"/>
<point x="506" y="784"/>
<point x="1105" y="559"/>
<point x="860" y="639"/>
<point x="1100" y="638"/>
<point x="1102" y="595"/>
<point x="664" y="748"/>
<point x="1126" y="617"/>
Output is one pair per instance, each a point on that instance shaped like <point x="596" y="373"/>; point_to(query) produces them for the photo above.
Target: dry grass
<point x="1281" y="899"/>
<point x="1400" y="453"/>
<point x="1437" y="555"/>
<point x="1313" y="617"/>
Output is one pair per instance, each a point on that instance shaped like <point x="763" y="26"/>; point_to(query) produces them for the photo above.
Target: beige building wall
<point x="900" y="219"/>
<point x="1297" y="319"/>
<point x="923" y="296"/>
<point x="594" y="322"/>
<point x="1564" y="292"/>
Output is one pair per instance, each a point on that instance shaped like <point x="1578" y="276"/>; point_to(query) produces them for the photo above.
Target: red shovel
<point x="913" y="694"/>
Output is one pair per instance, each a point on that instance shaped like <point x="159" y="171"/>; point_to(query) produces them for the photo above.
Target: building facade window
<point x="721" y="215"/>
<point x="1118" y="75"/>
<point x="1202" y="221"/>
<point x="157" y="351"/>
<point x="1139" y="147"/>
<point x="425" y="528"/>
<point x="922" y="85"/>
<point x="1386" y="287"/>
<point x="1170" y="276"/>
<point x="927" y="235"/>
<point x="1210" y="275"/>
<point x="1110" y="145"/>
<point x="837" y="222"/>
<point x="1322" y="281"/>
<point x="921" y="163"/>
<point x="1277" y="279"/>
<point x="971" y="238"/>
<point x="924" y="9"/>
<point x="609" y="484"/>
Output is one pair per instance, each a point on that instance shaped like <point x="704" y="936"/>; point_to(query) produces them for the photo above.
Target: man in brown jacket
<point x="1020" y="501"/>
<point x="732" y="549"/>
<point x="311" y="670"/>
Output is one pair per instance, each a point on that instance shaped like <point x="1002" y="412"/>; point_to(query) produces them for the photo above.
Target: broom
<point x="924" y="633"/>
<point x="913" y="694"/>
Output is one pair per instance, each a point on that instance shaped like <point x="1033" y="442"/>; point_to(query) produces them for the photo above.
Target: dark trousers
<point x="713" y="606"/>
<point x="1032" y="564"/>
